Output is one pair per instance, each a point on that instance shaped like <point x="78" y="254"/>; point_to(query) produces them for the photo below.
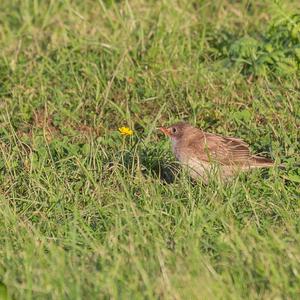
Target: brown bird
<point x="203" y="152"/>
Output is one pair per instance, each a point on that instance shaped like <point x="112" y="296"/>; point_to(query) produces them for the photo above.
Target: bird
<point x="206" y="154"/>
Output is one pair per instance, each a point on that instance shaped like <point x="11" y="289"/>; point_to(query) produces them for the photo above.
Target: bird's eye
<point x="174" y="130"/>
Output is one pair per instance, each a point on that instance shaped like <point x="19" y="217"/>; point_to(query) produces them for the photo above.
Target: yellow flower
<point x="125" y="131"/>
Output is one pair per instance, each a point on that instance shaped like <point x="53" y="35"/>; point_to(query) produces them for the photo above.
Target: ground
<point x="88" y="213"/>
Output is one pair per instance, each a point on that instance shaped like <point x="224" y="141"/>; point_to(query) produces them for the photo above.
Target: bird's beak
<point x="165" y="130"/>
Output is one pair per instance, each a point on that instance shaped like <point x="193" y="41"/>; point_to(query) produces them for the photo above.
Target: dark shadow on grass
<point x="165" y="172"/>
<point x="159" y="167"/>
<point x="154" y="164"/>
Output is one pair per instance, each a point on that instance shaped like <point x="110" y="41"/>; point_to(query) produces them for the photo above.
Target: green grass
<point x="86" y="213"/>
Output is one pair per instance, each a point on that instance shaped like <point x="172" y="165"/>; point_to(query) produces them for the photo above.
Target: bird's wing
<point x="224" y="150"/>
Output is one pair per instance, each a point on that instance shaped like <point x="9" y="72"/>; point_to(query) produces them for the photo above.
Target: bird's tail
<point x="261" y="162"/>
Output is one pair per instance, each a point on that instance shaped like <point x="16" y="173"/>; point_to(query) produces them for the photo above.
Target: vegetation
<point x="91" y="212"/>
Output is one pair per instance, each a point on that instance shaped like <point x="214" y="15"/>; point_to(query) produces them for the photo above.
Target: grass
<point x="86" y="213"/>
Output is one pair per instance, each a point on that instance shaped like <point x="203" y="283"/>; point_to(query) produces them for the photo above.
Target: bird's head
<point x="176" y="131"/>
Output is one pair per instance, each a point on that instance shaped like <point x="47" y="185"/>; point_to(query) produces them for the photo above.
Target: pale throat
<point x="174" y="143"/>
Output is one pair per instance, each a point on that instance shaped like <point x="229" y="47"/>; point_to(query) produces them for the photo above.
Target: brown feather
<point x="224" y="150"/>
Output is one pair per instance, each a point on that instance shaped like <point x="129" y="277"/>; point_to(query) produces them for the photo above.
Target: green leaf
<point x="3" y="292"/>
<point x="287" y="66"/>
<point x="295" y="31"/>
<point x="243" y="115"/>
<point x="294" y="177"/>
<point x="297" y="53"/>
<point x="269" y="48"/>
